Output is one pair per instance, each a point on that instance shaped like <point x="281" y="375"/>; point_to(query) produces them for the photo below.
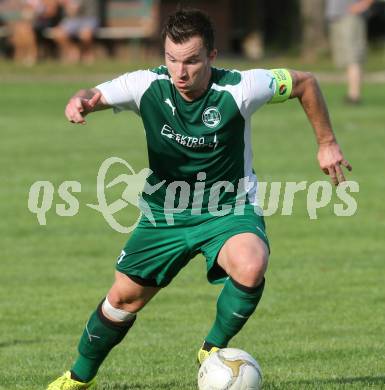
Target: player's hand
<point x="78" y="107"/>
<point x="331" y="159"/>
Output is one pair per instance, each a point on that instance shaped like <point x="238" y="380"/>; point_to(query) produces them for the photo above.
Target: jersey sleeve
<point x="126" y="91"/>
<point x="261" y="86"/>
<point x="257" y="89"/>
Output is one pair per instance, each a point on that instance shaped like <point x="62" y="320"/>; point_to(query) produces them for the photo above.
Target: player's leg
<point x="152" y="257"/>
<point x="109" y="324"/>
<point x="106" y="328"/>
<point x="244" y="258"/>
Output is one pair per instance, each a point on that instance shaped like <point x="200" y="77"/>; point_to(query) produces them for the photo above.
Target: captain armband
<point x="283" y="85"/>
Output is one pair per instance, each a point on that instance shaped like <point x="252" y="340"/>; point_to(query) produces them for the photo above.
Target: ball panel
<point x="230" y="369"/>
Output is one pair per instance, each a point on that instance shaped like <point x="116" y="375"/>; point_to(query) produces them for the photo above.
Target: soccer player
<point x="197" y="123"/>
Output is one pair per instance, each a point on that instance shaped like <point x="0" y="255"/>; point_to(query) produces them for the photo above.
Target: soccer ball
<point x="230" y="369"/>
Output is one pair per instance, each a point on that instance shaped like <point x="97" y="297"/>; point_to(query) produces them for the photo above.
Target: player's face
<point x="189" y="65"/>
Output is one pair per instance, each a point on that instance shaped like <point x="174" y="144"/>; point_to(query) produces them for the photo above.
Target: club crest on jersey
<point x="211" y="117"/>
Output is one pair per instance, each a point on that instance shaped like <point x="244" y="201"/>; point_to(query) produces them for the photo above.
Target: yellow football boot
<point x="65" y="382"/>
<point x="205" y="352"/>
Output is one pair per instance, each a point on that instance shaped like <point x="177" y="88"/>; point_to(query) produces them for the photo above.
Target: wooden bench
<point x="129" y="19"/>
<point x="125" y="21"/>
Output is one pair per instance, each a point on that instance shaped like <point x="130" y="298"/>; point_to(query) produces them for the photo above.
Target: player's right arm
<point x="84" y="102"/>
<point x="121" y="93"/>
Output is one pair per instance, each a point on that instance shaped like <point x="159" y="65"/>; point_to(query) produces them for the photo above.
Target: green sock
<point x="99" y="337"/>
<point x="236" y="303"/>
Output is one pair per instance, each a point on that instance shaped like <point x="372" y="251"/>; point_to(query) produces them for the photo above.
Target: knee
<point x="249" y="269"/>
<point x="59" y="35"/>
<point x="120" y="299"/>
<point x="125" y="294"/>
<point x="86" y="36"/>
<point x="256" y="267"/>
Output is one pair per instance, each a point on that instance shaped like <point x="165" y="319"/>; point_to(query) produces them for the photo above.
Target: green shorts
<point x="154" y="255"/>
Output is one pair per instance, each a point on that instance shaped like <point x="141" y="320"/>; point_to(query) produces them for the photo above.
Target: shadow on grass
<point x="12" y="343"/>
<point x="143" y="386"/>
<point x="318" y="383"/>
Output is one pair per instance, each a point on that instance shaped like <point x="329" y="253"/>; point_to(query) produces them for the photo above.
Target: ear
<point x="213" y="55"/>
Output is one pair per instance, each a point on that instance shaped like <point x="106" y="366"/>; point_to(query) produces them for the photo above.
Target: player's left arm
<point x="305" y="87"/>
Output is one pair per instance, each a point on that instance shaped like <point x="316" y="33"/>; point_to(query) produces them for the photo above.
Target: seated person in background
<point x="27" y="32"/>
<point x="49" y="15"/>
<point x="80" y="21"/>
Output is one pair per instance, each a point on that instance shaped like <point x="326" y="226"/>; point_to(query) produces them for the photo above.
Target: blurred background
<point x="31" y="31"/>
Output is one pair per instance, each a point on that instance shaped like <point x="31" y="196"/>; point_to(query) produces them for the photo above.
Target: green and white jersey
<point x="203" y="145"/>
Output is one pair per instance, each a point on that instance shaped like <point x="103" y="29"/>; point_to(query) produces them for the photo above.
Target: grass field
<point x="321" y="322"/>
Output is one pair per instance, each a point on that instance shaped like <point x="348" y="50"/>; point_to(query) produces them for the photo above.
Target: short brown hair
<point x="186" y="23"/>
